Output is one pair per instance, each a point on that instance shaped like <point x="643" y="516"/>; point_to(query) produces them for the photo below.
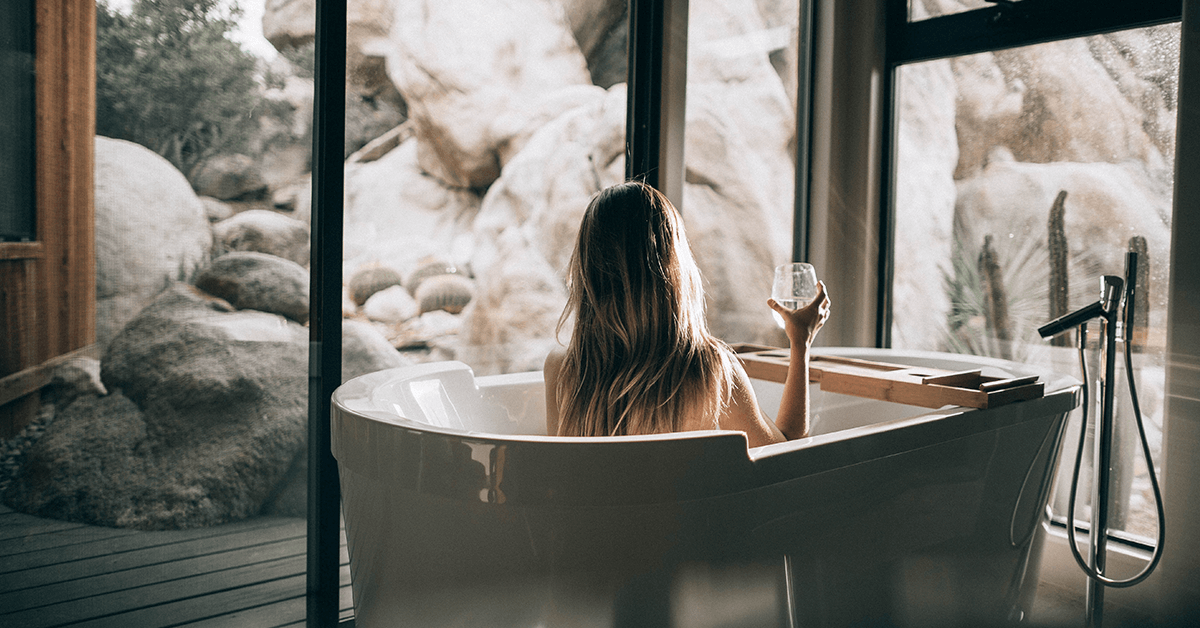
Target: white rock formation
<point x="546" y="187"/>
<point x="151" y="230"/>
<point x="464" y="64"/>
<point x="390" y="305"/>
<point x="1058" y="102"/>
<point x="527" y="226"/>
<point x="397" y="215"/>
<point x="927" y="153"/>
<point x="730" y="78"/>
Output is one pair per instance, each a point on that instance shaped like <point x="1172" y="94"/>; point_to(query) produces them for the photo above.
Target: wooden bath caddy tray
<point x="911" y="385"/>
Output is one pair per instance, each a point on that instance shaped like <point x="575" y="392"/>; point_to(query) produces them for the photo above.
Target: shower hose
<point x="1137" y="414"/>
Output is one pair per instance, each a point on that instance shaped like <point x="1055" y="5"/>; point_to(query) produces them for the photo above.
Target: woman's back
<point x="640" y="359"/>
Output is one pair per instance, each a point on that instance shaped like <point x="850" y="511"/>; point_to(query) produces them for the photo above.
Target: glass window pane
<point x="515" y="116"/>
<point x="17" y="123"/>
<point x="739" y="156"/>
<point x="991" y="147"/>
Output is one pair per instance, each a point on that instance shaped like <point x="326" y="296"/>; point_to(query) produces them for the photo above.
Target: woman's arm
<point x="550" y="375"/>
<point x="743" y="414"/>
<point x="801" y="326"/>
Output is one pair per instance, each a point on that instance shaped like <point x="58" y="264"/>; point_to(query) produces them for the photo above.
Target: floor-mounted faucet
<point x="1106" y="309"/>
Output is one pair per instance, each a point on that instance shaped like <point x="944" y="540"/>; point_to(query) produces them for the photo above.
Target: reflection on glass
<point x="1028" y="173"/>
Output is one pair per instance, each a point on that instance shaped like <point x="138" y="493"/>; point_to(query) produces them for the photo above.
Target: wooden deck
<point x="247" y="574"/>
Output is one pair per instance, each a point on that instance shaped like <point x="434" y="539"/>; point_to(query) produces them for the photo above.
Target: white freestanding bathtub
<point x="459" y="511"/>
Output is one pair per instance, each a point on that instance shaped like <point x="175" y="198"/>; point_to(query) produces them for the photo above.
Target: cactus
<point x="368" y="281"/>
<point x="995" y="298"/>
<point x="444" y="292"/>
<point x="429" y="267"/>
<point x="1058" y="264"/>
<point x="1141" y="303"/>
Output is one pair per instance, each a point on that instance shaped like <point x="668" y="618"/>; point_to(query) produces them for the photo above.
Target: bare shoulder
<point x="550" y="372"/>
<point x="553" y="363"/>
<point x="742" y="412"/>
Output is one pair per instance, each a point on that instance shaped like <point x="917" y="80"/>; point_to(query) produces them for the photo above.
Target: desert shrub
<point x="169" y="78"/>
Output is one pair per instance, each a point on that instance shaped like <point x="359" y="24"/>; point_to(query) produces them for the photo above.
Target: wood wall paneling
<point x="48" y="288"/>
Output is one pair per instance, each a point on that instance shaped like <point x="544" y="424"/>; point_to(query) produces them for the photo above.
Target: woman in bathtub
<point x="640" y="359"/>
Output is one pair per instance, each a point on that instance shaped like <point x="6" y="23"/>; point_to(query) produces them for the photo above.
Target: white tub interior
<point x="448" y="397"/>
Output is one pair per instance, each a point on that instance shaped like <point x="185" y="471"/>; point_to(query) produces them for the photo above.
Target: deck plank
<point x="203" y="607"/>
<point x="55" y="540"/>
<point x="234" y="537"/>
<point x="15" y="526"/>
<point x="247" y="574"/>
<point x="145" y="600"/>
<point x="289" y="612"/>
<point x="125" y="543"/>
<point x="195" y="565"/>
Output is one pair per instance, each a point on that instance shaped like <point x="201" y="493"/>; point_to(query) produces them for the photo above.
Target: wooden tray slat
<point x="914" y="386"/>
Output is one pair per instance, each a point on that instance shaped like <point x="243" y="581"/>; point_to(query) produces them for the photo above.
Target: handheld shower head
<point x="1110" y="292"/>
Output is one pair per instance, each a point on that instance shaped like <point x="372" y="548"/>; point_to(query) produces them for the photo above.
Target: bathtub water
<point x="459" y="511"/>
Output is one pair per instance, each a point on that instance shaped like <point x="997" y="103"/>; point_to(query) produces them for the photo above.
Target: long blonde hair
<point x="640" y="359"/>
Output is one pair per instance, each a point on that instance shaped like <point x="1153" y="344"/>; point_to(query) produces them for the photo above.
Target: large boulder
<point x="290" y="24"/>
<point x="229" y="177"/>
<point x="740" y="167"/>
<point x="205" y="420"/>
<point x="204" y="414"/>
<point x="1071" y="101"/>
<point x="601" y="29"/>
<point x="463" y="65"/>
<point x="257" y="281"/>
<point x="151" y="230"/>
<point x="263" y="231"/>
<point x="546" y="187"/>
<point x="737" y="236"/>
<point x="373" y="104"/>
<point x="364" y="350"/>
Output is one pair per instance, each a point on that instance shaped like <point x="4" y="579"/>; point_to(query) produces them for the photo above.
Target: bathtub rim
<point x="750" y="467"/>
<point x="1058" y="386"/>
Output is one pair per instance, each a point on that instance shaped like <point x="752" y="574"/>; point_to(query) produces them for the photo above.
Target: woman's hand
<point x="802" y="324"/>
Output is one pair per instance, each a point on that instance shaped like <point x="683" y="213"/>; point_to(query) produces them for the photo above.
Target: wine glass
<point x="795" y="286"/>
